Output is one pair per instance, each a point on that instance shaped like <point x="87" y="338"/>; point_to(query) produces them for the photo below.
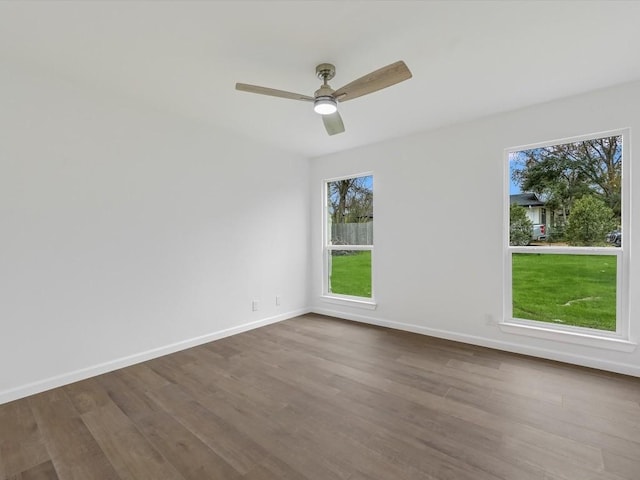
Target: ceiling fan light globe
<point x="325" y="105"/>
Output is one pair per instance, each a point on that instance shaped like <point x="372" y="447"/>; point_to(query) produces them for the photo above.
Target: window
<point x="348" y="233"/>
<point x="566" y="257"/>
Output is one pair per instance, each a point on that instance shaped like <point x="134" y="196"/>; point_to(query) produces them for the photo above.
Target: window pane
<point x="350" y="211"/>
<point x="567" y="194"/>
<point x="565" y="289"/>
<point x="350" y="273"/>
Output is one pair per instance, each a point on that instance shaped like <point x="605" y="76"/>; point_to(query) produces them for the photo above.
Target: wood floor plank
<point x="44" y="471"/>
<point x="554" y="420"/>
<point x="142" y="377"/>
<point x="272" y="468"/>
<point x="568" y="379"/>
<point x="236" y="448"/>
<point x="279" y="438"/>
<point x="383" y="453"/>
<point x="21" y="445"/>
<point x="74" y="451"/>
<point x="623" y="466"/>
<point x="132" y="401"/>
<point x="128" y="450"/>
<point x="406" y="430"/>
<point x="315" y="398"/>
<point x="573" y="450"/>
<point x="418" y="433"/>
<point x="192" y="458"/>
<point x="553" y="463"/>
<point x="87" y="395"/>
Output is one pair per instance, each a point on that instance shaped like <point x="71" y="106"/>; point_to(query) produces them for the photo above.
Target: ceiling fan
<point x="325" y="99"/>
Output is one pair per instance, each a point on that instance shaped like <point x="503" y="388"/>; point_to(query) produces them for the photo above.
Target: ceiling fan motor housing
<point x="324" y="91"/>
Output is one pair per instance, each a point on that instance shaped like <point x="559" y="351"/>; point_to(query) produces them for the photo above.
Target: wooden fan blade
<point x="333" y="123"/>
<point x="382" y="78"/>
<point x="243" y="87"/>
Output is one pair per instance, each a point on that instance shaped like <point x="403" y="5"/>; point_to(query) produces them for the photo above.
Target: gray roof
<point x="526" y="200"/>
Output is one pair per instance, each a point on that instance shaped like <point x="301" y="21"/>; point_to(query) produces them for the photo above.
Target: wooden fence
<point x="352" y="233"/>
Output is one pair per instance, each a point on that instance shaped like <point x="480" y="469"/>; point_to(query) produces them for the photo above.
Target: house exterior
<point x="536" y="212"/>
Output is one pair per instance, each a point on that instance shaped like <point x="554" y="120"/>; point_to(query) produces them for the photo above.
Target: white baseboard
<point x="84" y="373"/>
<point x="624" y="368"/>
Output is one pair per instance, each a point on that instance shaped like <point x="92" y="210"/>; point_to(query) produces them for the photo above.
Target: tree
<point x="351" y="200"/>
<point x="590" y="221"/>
<point x="520" y="227"/>
<point x="562" y="174"/>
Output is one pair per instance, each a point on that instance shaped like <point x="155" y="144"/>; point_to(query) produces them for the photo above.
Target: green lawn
<point x="577" y="290"/>
<point x="351" y="273"/>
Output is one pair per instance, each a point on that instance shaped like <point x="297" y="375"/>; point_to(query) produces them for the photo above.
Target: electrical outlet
<point x="489" y="320"/>
<point x="277" y="300"/>
<point x="254" y="305"/>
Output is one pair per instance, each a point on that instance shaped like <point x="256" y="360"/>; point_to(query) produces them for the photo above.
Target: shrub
<point x="589" y="222"/>
<point x="520" y="227"/>
<point x="555" y="233"/>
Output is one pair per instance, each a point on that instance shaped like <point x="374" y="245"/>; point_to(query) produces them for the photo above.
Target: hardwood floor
<point x="319" y="399"/>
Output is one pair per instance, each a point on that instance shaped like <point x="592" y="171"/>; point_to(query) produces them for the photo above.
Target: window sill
<point x="579" y="338"/>
<point x="350" y="301"/>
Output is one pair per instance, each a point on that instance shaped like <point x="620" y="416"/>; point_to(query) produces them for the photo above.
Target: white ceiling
<point x="468" y="58"/>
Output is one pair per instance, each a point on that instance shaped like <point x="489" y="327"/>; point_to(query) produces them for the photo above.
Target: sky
<point x="513" y="187"/>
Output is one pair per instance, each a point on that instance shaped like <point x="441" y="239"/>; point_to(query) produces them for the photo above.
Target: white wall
<point x="126" y="233"/>
<point x="438" y="223"/>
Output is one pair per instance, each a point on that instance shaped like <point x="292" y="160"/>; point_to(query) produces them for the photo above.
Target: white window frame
<point x="621" y="338"/>
<point x="336" y="298"/>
